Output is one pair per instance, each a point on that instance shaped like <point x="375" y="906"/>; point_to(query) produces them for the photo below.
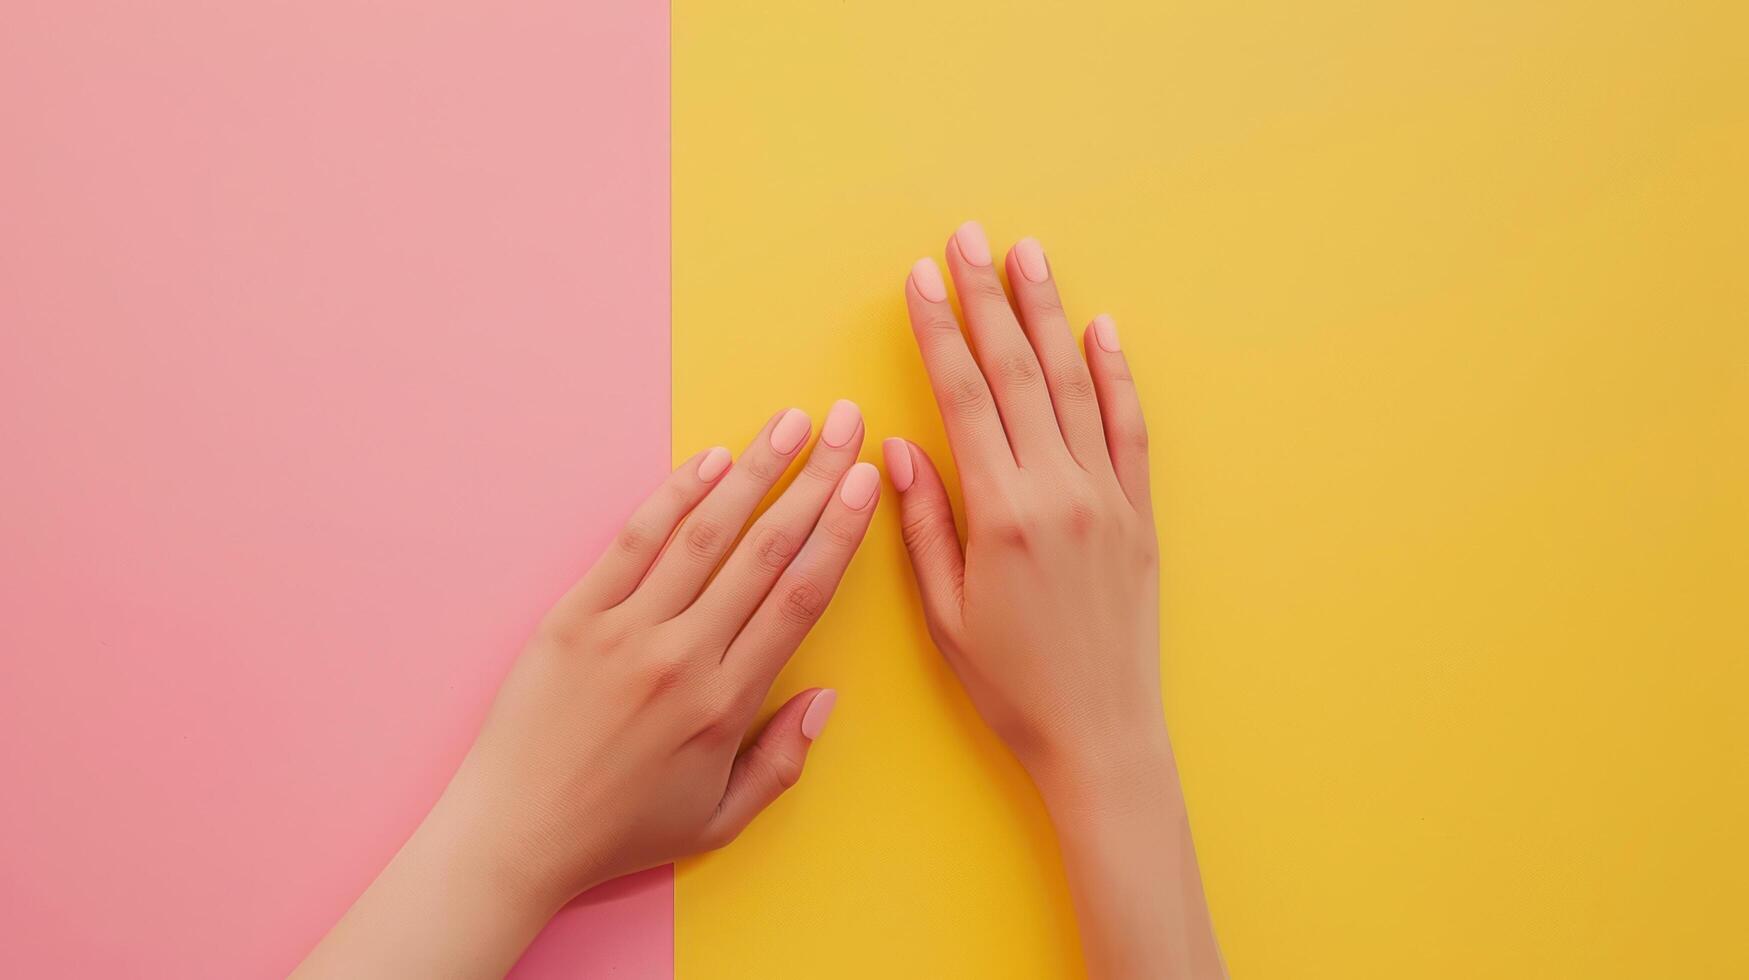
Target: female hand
<point x="614" y="744"/>
<point x="1050" y="613"/>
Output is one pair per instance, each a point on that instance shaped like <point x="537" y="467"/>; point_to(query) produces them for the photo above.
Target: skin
<point x="614" y="743"/>
<point x="1052" y="454"/>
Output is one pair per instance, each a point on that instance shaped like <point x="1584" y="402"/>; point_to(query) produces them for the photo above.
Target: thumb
<point x="926" y="518"/>
<point x="772" y="764"/>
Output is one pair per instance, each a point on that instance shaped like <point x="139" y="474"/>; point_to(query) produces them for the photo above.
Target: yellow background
<point x="1439" y="313"/>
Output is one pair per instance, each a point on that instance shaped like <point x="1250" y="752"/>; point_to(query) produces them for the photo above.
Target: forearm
<point x="437" y="911"/>
<point x="1132" y="869"/>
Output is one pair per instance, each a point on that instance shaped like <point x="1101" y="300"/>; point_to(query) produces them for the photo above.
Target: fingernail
<point x="973" y="245"/>
<point x="1031" y="256"/>
<point x="820" y="709"/>
<point x="790" y="431"/>
<point x="898" y="456"/>
<point x="859" y="486"/>
<point x="927" y="278"/>
<point x="1105" y="333"/>
<point x="841" y="423"/>
<point x="713" y="464"/>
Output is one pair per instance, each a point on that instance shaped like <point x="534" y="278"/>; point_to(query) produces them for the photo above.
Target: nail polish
<point x="713" y="464"/>
<point x="974" y="246"/>
<point x="897" y="453"/>
<point x="820" y="709"/>
<point x="1030" y="256"/>
<point x="790" y="431"/>
<point x="927" y="278"/>
<point x="841" y="423"/>
<point x="859" y="486"/>
<point x="1105" y="333"/>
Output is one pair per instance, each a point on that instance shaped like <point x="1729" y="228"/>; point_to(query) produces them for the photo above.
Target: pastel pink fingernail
<point x="1031" y="257"/>
<point x="713" y="464"/>
<point x="1105" y="333"/>
<point x="927" y="278"/>
<point x="973" y="245"/>
<point x="841" y="423"/>
<point x="819" y="710"/>
<point x="790" y="431"/>
<point x="898" y="456"/>
<point x="859" y="486"/>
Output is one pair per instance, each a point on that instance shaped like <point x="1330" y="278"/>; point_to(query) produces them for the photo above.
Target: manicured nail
<point x="898" y="455"/>
<point x="820" y="709"/>
<point x="841" y="423"/>
<point x="1031" y="257"/>
<point x="790" y="431"/>
<point x="859" y="486"/>
<point x="1105" y="333"/>
<point x="713" y="464"/>
<point x="927" y="278"/>
<point x="973" y="245"/>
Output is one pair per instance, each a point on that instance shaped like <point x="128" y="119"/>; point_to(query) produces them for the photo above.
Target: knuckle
<point x="922" y="534"/>
<point x="718" y="722"/>
<point x="765" y="467"/>
<point x="940" y="321"/>
<point x="986" y="290"/>
<point x="773" y="548"/>
<point x="1072" y="383"/>
<point x="635" y="538"/>
<point x="704" y="538"/>
<point x="716" y="837"/>
<point x="1018" y="368"/>
<point x="1009" y="527"/>
<point x="772" y="768"/>
<point x="967" y="397"/>
<point x="841" y="531"/>
<point x="1046" y="303"/>
<point x="663" y="675"/>
<point x="802" y="602"/>
<point x="1079" y="515"/>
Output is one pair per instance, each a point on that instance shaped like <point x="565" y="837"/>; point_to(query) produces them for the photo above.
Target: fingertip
<point x="896" y="453"/>
<point x="860" y="486"/>
<point x="926" y="279"/>
<point x="841" y="423"/>
<point x="791" y="431"/>
<point x="1029" y="255"/>
<point x="1103" y="331"/>
<point x="714" y="463"/>
<point x="818" y="713"/>
<point x="972" y="243"/>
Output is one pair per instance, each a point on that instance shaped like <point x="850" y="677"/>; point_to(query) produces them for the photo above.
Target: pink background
<point x="333" y="344"/>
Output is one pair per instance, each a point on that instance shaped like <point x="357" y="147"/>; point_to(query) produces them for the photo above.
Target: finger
<point x="617" y="572"/>
<point x="1071" y="387"/>
<point x="926" y="516"/>
<point x="1008" y="362"/>
<point x="779" y="533"/>
<point x="706" y="534"/>
<point x="1126" y="433"/>
<point x="801" y="594"/>
<point x="772" y="764"/>
<point x="974" y="427"/>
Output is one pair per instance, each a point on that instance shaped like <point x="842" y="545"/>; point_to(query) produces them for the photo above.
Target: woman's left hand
<point x="615" y="743"/>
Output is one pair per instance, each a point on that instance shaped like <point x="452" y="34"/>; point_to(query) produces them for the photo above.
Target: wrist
<point x="470" y="855"/>
<point x="1129" y="773"/>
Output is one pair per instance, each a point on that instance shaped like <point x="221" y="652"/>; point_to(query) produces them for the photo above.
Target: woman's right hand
<point x="1050" y="613"/>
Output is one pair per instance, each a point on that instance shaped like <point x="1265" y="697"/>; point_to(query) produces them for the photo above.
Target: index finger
<point x="974" y="427"/>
